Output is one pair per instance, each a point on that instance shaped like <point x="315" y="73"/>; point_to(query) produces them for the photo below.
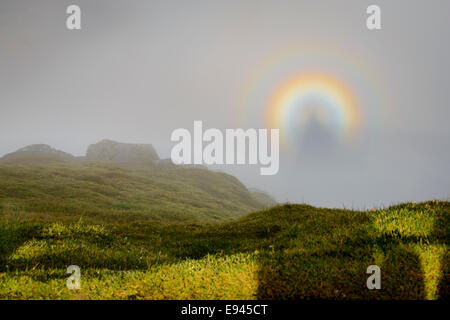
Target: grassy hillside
<point x="101" y="192"/>
<point x="290" y="251"/>
<point x="263" y="198"/>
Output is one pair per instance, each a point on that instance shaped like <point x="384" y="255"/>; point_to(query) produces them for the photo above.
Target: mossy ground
<point x="287" y="252"/>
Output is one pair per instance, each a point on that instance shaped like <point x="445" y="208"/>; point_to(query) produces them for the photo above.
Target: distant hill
<point x="116" y="178"/>
<point x="107" y="190"/>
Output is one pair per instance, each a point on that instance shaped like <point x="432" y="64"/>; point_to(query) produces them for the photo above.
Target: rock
<point x="116" y="152"/>
<point x="39" y="150"/>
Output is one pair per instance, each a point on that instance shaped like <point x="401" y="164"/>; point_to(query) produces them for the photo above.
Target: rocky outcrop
<point x="116" y="152"/>
<point x="126" y="154"/>
<point x="39" y="150"/>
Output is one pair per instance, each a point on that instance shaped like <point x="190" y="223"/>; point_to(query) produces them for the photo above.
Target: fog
<point x="137" y="70"/>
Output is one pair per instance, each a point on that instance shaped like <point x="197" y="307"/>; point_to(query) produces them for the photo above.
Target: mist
<point x="137" y="71"/>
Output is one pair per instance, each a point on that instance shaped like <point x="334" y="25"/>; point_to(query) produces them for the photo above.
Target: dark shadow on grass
<point x="444" y="283"/>
<point x="442" y="232"/>
<point x="333" y="266"/>
<point x="302" y="253"/>
<point x="11" y="238"/>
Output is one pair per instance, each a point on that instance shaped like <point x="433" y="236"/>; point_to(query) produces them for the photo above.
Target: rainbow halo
<point x="314" y="97"/>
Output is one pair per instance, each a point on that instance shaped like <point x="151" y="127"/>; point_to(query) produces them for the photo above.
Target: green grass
<point x="102" y="192"/>
<point x="288" y="252"/>
<point x="127" y="251"/>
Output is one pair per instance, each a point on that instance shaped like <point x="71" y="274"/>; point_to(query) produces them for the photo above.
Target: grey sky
<point x="140" y="69"/>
